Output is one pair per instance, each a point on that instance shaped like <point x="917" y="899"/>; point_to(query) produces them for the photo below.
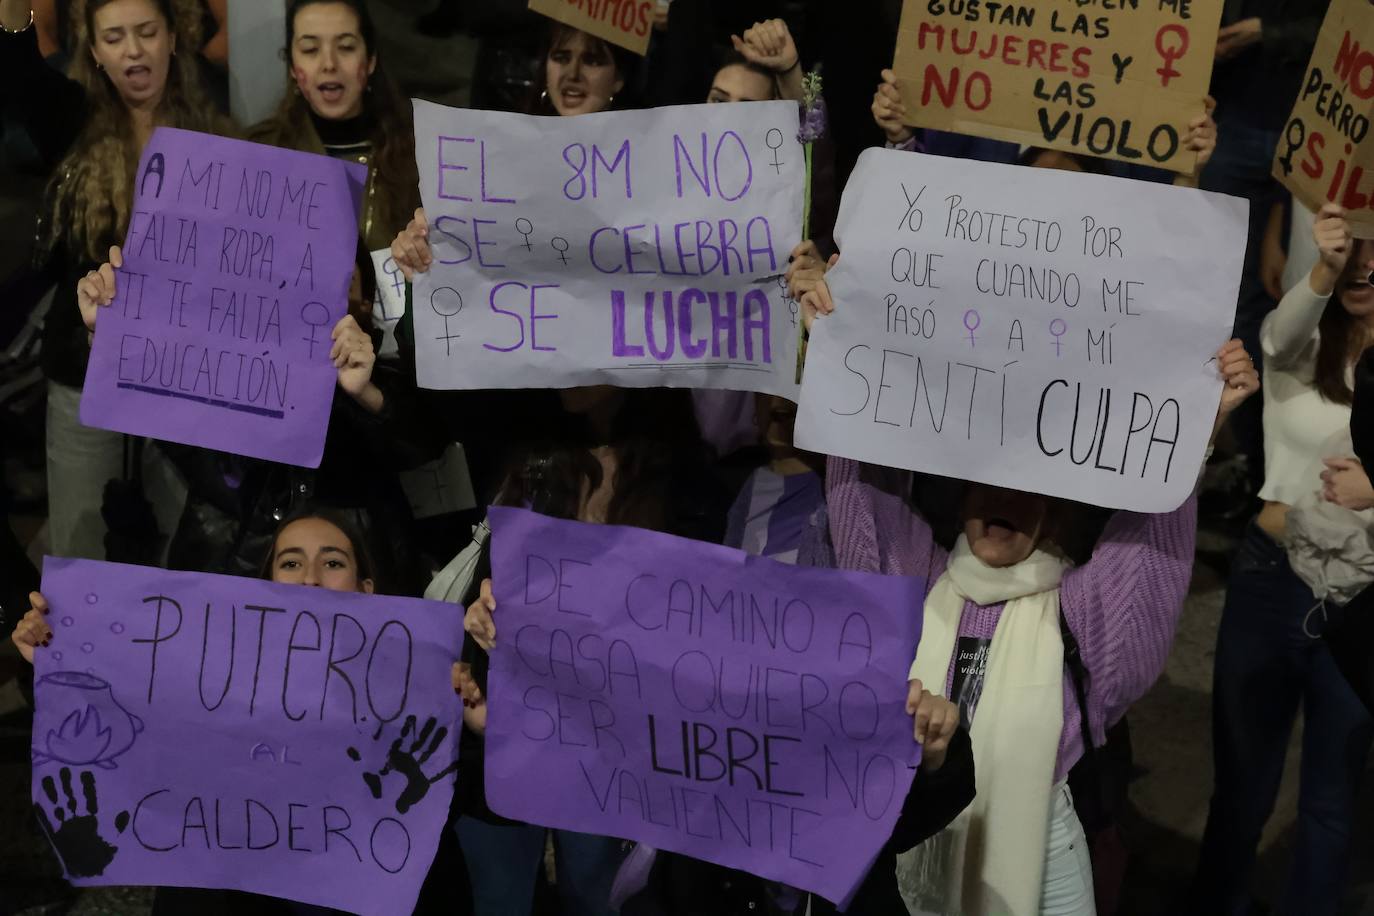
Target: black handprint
<point x="406" y="762"/>
<point x="77" y="839"/>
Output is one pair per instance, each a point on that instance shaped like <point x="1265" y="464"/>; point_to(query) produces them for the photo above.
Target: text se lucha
<point x="294" y="668"/>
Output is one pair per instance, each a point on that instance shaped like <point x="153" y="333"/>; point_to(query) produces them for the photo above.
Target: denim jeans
<point x="504" y="861"/>
<point x="1068" y="884"/>
<point x="81" y="460"/>
<point x="1269" y="662"/>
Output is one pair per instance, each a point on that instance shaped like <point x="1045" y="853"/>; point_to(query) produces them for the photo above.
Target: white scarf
<point x="991" y="859"/>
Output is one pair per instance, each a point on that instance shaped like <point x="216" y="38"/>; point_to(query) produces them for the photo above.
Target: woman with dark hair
<point x="763" y="65"/>
<point x="90" y="128"/>
<point x="1270" y="657"/>
<point x="1060" y="651"/>
<point x="342" y="103"/>
<point x="318" y="546"/>
<point x="578" y="74"/>
<point x="609" y="456"/>
<point x="582" y="74"/>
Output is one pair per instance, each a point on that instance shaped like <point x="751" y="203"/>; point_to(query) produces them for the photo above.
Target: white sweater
<point x="1299" y="423"/>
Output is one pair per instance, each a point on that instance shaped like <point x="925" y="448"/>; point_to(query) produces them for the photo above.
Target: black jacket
<point x="52" y="110"/>
<point x="234" y="503"/>
<point x="1362" y="416"/>
<point x="1259" y="85"/>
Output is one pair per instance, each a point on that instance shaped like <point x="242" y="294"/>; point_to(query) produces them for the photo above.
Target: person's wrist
<point x="1322" y="280"/>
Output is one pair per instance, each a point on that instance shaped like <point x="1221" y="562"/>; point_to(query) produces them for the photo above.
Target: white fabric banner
<point x="1033" y="329"/>
<point x="636" y="248"/>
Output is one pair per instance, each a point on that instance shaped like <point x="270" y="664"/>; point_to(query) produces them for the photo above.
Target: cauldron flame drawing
<point x="94" y="728"/>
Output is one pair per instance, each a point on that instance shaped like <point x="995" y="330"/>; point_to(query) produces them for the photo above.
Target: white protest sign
<point x="390" y="304"/>
<point x="1032" y="329"/>
<point x="636" y="248"/>
<point x="440" y="486"/>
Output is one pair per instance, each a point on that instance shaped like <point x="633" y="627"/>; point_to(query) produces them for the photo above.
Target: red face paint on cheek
<point x="302" y="80"/>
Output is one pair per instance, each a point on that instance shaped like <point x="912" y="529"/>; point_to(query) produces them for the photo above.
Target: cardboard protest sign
<point x="627" y="23"/>
<point x="1119" y="79"/>
<point x="237" y="265"/>
<point x="1029" y="328"/>
<point x="615" y="248"/>
<point x="1322" y="155"/>
<point x="213" y="731"/>
<point x="698" y="699"/>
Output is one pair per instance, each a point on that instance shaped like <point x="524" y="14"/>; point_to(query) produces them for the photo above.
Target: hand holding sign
<point x="353" y="355"/>
<point x="1335" y="243"/>
<point x="1202" y="140"/>
<point x="410" y="250"/>
<point x="32" y="630"/>
<point x="936" y="720"/>
<point x="1239" y="380"/>
<point x="97" y="289"/>
<point x="478" y="622"/>
<point x="474" y="703"/>
<point x="890" y="112"/>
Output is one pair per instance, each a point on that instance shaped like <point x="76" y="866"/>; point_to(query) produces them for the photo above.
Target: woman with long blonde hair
<point x="125" y="79"/>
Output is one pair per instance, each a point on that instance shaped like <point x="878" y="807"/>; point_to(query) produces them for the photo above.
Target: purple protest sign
<point x="698" y="699"/>
<point x="309" y="756"/>
<point x="237" y="265"/>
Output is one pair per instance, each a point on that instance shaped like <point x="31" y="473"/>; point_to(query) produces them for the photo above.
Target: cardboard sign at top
<point x="622" y="22"/>
<point x="1119" y="79"/>
<point x="1322" y="155"/>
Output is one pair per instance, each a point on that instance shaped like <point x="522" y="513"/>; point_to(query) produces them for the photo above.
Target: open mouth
<point x="331" y="92"/>
<point x="1000" y="528"/>
<point x="573" y="98"/>
<point x="138" y="73"/>
<point x="1360" y="282"/>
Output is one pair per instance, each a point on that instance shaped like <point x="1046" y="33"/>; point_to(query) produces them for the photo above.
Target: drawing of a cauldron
<point x="94" y="728"/>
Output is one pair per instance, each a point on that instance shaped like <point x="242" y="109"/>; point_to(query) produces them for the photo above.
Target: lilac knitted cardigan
<point x="1122" y="605"/>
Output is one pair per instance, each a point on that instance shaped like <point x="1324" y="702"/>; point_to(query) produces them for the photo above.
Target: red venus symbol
<point x="1167" y="72"/>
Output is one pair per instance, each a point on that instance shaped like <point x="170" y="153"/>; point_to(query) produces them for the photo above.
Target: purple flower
<point x="813" y="123"/>
<point x="813" y="109"/>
